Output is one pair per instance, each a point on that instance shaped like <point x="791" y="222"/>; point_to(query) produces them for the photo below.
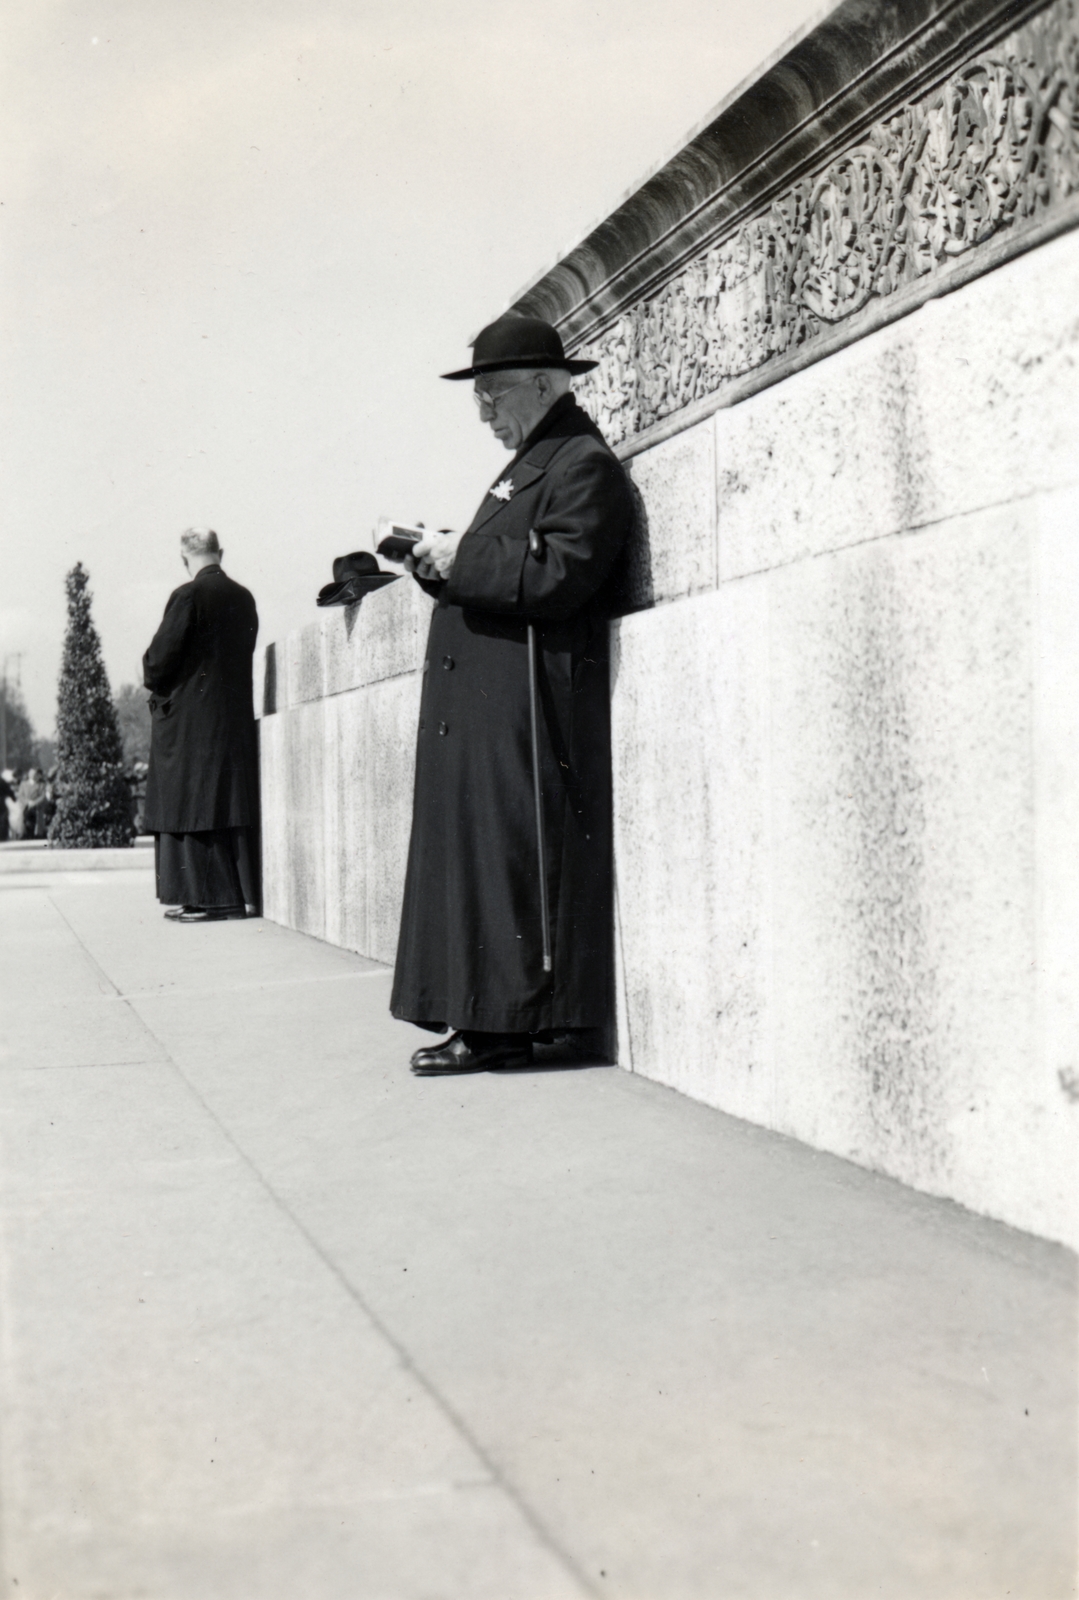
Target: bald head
<point x="200" y="547"/>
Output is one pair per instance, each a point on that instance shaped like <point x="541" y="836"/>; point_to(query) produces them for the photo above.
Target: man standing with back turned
<point x="202" y="789"/>
<point x="516" y="668"/>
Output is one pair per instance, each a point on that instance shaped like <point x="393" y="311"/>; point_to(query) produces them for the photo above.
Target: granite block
<point x="998" y="387"/>
<point x="304" y="743"/>
<point x="676" y="534"/>
<point x="969" y="402"/>
<point x="831" y="458"/>
<point x="393" y="712"/>
<point x="274" y="753"/>
<point x="827" y="831"/>
<point x="347" y="728"/>
<point x="303" y="653"/>
<point x="335" y="726"/>
<point x="381" y="637"/>
<point x="341" y="660"/>
<point x="396" y="623"/>
<point x="690" y="771"/>
<point x="1055" y="1070"/>
<point x="267" y="686"/>
<point x="903" y="857"/>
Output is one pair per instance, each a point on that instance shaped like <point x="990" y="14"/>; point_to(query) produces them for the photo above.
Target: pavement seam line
<point x="94" y="962"/>
<point x="117" y="993"/>
<point x="83" y="1066"/>
<point x="9" y="1471"/>
<point x="226" y="988"/>
<point x="255" y="983"/>
<point x="408" y="1362"/>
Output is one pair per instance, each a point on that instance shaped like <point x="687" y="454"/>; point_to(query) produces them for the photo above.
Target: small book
<point x="397" y="539"/>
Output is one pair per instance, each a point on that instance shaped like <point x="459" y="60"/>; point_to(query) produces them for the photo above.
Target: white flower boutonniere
<point x="503" y="490"/>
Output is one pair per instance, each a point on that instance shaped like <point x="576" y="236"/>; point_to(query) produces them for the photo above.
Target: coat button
<point x="447" y="662"/>
<point x="443" y="729"/>
<point x="421" y="724"/>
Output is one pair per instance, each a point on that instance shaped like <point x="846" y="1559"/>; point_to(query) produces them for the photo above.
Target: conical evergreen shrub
<point x="93" y="808"/>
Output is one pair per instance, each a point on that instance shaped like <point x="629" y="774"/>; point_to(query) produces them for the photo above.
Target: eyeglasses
<point x="482" y="398"/>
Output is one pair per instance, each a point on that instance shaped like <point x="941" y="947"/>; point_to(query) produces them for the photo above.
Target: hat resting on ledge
<point x="353" y="577"/>
<point x="518" y="342"/>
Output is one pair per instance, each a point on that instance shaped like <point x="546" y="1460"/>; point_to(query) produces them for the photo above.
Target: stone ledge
<point x="880" y="162"/>
<point x="20" y="857"/>
<point x="795" y="111"/>
<point x="346" y="647"/>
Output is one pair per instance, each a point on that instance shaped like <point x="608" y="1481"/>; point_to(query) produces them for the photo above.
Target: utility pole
<point x="16" y="656"/>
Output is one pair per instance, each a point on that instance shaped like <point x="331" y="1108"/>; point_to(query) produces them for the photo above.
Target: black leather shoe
<point x="474" y="1053"/>
<point x="174" y="913"/>
<point x="419" y="1056"/>
<point x="569" y="1047"/>
<point x="212" y="914"/>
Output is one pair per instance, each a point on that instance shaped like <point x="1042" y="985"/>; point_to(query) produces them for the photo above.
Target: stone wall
<point x="341" y="700"/>
<point x="846" y="708"/>
<point x="847" y="753"/>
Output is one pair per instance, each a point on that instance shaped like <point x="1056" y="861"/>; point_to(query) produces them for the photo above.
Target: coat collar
<point x="564" y="421"/>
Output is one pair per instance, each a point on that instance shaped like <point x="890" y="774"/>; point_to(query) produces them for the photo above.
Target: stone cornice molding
<point x="893" y="151"/>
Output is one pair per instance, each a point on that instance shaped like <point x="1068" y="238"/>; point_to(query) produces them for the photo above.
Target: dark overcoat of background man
<point x="202" y="787"/>
<point x="541" y="549"/>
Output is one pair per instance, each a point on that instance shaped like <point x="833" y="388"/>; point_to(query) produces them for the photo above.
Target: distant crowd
<point x="28" y="800"/>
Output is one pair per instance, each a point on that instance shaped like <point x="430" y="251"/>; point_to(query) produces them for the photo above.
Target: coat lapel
<point x="521" y="473"/>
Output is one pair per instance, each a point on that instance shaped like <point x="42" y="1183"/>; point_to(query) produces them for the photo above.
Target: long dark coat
<point x="203" y="743"/>
<point x="470" y="948"/>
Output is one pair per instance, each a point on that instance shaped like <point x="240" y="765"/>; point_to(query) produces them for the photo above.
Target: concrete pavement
<point x="279" y="1320"/>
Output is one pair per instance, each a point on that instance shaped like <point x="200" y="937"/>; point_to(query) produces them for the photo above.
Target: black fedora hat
<point x="518" y="342"/>
<point x="353" y="577"/>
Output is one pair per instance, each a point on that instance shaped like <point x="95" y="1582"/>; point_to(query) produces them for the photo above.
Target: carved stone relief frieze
<point x="994" y="147"/>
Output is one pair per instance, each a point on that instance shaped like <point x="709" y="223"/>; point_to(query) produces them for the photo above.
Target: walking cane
<point x="536" y="547"/>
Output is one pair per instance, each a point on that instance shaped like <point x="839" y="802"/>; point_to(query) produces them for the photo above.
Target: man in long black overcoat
<point x="541" y="549"/>
<point x="202" y="789"/>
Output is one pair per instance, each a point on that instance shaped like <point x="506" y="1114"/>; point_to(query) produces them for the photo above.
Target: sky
<point x="239" y="239"/>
